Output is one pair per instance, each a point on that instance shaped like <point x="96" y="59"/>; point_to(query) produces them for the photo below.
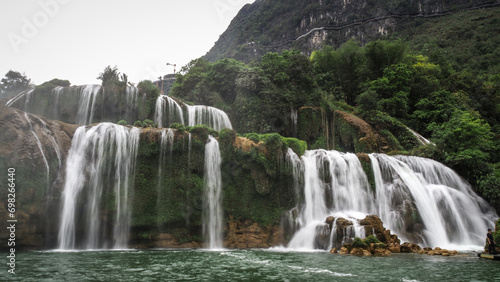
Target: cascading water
<point x="210" y="116"/>
<point x="100" y="165"/>
<point x="418" y="199"/>
<point x="338" y="175"/>
<point x="47" y="185"/>
<point x="431" y="200"/>
<point x="132" y="96"/>
<point x="14" y="99"/>
<point x="174" y="112"/>
<point x="88" y="96"/>
<point x="212" y="201"/>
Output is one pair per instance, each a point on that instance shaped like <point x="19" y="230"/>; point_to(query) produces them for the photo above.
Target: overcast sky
<point x="77" y="39"/>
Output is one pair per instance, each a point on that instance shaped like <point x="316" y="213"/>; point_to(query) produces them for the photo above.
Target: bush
<point x="227" y="136"/>
<point x="371" y="239"/>
<point x="178" y="126"/>
<point x="122" y="122"/>
<point x="252" y="136"/>
<point x="358" y="243"/>
<point x="298" y="146"/>
<point x="138" y="123"/>
<point x="273" y="142"/>
<point x="148" y="123"/>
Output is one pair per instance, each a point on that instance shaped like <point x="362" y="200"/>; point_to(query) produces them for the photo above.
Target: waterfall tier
<point x="212" y="201"/>
<point x="100" y="171"/>
<point x="168" y="111"/>
<point x="419" y="199"/>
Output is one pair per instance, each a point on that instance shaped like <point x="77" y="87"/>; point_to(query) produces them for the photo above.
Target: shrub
<point x="371" y="239"/>
<point x="298" y="146"/>
<point x="148" y="123"/>
<point x="138" y="123"/>
<point x="252" y="136"/>
<point x="358" y="243"/>
<point x="122" y="122"/>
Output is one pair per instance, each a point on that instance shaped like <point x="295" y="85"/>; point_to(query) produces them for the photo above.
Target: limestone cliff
<point x="36" y="148"/>
<point x="269" y="25"/>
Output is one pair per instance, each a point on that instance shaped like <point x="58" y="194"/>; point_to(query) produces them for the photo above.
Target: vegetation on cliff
<point x="384" y="83"/>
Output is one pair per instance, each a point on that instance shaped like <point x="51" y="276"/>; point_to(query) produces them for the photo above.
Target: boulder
<point x="333" y="251"/>
<point x="410" y="248"/>
<point x="344" y="251"/>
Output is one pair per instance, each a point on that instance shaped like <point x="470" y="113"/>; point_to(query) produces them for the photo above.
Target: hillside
<point x="271" y="26"/>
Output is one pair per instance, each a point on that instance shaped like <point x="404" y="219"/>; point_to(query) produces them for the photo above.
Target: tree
<point x="340" y="72"/>
<point x="465" y="138"/>
<point x="111" y="79"/>
<point x="382" y="54"/>
<point x="436" y="109"/>
<point x="393" y="89"/>
<point x="14" y="82"/>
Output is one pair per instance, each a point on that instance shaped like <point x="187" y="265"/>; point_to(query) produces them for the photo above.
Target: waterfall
<point x="210" y="116"/>
<point x="212" y="212"/>
<point x="39" y="144"/>
<point x="88" y="96"/>
<point x="19" y="96"/>
<point x="294" y="118"/>
<point x="431" y="200"/>
<point x="174" y="111"/>
<point x="132" y="97"/>
<point x="100" y="166"/>
<point x="418" y="199"/>
<point x="334" y="183"/>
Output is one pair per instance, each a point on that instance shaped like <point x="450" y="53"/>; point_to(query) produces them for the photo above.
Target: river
<point x="243" y="265"/>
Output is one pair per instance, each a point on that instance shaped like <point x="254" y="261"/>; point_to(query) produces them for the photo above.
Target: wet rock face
<point x="247" y="234"/>
<point x="36" y="149"/>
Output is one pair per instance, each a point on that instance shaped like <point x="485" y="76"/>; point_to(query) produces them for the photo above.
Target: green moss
<point x="298" y="146"/>
<point x="371" y="239"/>
<point x="358" y="243"/>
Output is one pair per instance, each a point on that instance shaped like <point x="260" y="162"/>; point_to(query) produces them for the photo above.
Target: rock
<point x="343" y="251"/>
<point x="422" y="252"/>
<point x="247" y="234"/>
<point x="410" y="248"/>
<point x="394" y="248"/>
<point x="333" y="251"/>
<point x="431" y="253"/>
<point x="381" y="252"/>
<point x="360" y="252"/>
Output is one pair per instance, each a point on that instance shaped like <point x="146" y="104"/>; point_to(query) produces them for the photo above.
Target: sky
<point x="77" y="39"/>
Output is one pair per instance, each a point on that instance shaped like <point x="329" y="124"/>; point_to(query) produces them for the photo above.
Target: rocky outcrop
<point x="272" y="26"/>
<point x="387" y="243"/>
<point x="34" y="148"/>
<point x="247" y="234"/>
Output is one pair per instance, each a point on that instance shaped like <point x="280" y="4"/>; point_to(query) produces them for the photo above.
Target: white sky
<point x="77" y="39"/>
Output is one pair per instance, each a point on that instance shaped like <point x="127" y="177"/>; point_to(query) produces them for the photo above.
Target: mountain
<point x="270" y="25"/>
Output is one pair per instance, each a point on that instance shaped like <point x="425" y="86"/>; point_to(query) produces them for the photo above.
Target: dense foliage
<point x="13" y="83"/>
<point x="383" y="82"/>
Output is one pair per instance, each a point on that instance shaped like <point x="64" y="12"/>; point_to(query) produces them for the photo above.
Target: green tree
<point x="381" y="54"/>
<point x="111" y="79"/>
<point x="340" y="72"/>
<point x="393" y="89"/>
<point x="465" y="138"/>
<point x="14" y="82"/>
<point x="436" y="109"/>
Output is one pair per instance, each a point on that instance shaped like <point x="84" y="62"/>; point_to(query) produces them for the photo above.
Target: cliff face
<point x="268" y="25"/>
<point x="35" y="149"/>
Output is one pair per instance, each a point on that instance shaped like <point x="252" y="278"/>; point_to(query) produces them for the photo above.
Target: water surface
<point x="243" y="265"/>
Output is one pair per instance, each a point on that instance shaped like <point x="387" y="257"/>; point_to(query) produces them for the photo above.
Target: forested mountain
<point x="463" y="28"/>
<point x="317" y="69"/>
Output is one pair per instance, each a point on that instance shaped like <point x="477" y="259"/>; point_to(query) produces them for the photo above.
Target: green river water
<point x="244" y="265"/>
